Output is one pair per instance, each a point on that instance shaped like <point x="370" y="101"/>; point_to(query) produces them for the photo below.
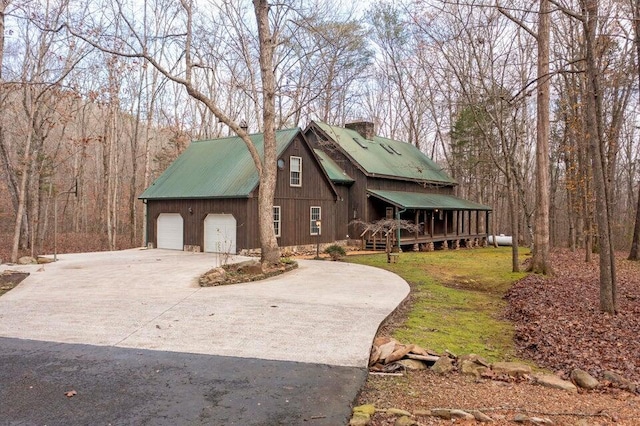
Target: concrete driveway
<point x="323" y="312"/>
<point x="141" y="343"/>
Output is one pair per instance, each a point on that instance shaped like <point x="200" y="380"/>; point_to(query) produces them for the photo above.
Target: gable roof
<point x="383" y="157"/>
<point x="335" y="172"/>
<point x="215" y="168"/>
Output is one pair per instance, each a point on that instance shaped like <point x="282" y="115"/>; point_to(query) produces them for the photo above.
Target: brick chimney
<point x="366" y="129"/>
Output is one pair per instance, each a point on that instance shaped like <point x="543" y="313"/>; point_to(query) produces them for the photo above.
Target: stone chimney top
<point x="366" y="128"/>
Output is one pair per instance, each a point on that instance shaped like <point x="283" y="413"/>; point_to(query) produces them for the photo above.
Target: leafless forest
<point x="93" y="104"/>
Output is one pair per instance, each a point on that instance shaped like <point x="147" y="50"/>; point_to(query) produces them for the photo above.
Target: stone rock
<point x="481" y="417"/>
<point x="552" y="381"/>
<point x="368" y="409"/>
<point x="540" y="420"/>
<point x="375" y="355"/>
<point x="405" y="421"/>
<point x="42" y="260"/>
<point x="386" y="350"/>
<point x="443" y="365"/>
<point x="470" y="368"/>
<point x="399" y="352"/>
<point x="620" y="381"/>
<point x="360" y="419"/>
<point x="27" y="260"/>
<point x="251" y="267"/>
<point x="583" y="379"/>
<point x="379" y="341"/>
<point x="522" y="418"/>
<point x="412" y="364"/>
<point x="443" y="413"/>
<point x="514" y="369"/>
<point x="460" y="414"/>
<point x="213" y="277"/>
<point x="419" y="350"/>
<point x="476" y="359"/>
<point x="398" y="412"/>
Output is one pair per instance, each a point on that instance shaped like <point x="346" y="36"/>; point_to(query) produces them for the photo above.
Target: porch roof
<point x="417" y="200"/>
<point x="335" y="172"/>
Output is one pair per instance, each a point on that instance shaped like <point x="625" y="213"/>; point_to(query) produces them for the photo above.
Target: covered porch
<point x="445" y="221"/>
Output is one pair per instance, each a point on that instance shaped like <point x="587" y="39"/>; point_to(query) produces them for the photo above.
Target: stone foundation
<point x="293" y="250"/>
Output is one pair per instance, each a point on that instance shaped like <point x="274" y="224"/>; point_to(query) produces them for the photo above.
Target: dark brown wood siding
<point x="376" y="208"/>
<point x="194" y="212"/>
<point x="296" y="202"/>
<point x="296" y="222"/>
<point x="343" y="214"/>
<point x="356" y="201"/>
<point x="408" y="186"/>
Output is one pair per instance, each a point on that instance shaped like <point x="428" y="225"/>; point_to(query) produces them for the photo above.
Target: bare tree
<point x="598" y="160"/>
<point x="268" y="39"/>
<point x="540" y="262"/>
<point x="634" y="253"/>
<point x="41" y="73"/>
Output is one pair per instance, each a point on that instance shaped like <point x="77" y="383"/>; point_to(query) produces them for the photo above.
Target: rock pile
<point x="390" y="357"/>
<point x="247" y="271"/>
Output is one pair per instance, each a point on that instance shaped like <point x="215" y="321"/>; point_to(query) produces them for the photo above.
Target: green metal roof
<point x="216" y="168"/>
<point x="417" y="200"/>
<point x="335" y="172"/>
<point x="387" y="157"/>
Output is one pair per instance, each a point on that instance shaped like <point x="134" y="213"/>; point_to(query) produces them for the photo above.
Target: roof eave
<point x="202" y="197"/>
<point x="408" y="179"/>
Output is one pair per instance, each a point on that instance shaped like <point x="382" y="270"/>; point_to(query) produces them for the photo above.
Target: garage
<point x="220" y="233"/>
<point x="170" y="231"/>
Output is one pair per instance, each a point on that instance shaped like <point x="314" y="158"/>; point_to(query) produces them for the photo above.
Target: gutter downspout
<point x="398" y="212"/>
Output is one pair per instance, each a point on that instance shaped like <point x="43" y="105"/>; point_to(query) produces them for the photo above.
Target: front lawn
<point x="456" y="300"/>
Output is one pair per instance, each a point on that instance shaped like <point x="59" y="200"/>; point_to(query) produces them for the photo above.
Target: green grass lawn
<point x="457" y="299"/>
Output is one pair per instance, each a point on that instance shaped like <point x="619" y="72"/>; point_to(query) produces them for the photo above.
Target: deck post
<point x="462" y="222"/>
<point x="424" y="217"/>
<point x="433" y="217"/>
<point x="398" y="212"/>
<point x="446" y="224"/>
<point x="486" y="223"/>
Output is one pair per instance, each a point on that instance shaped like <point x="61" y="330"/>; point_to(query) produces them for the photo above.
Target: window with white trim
<point x="316" y="216"/>
<point x="276" y="220"/>
<point x="295" y="171"/>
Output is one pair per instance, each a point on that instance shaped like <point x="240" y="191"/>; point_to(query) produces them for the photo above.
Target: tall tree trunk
<point x="540" y="259"/>
<point x="266" y="190"/>
<point x="598" y="162"/>
<point x="634" y="254"/>
<point x="512" y="199"/>
<point x="22" y="195"/>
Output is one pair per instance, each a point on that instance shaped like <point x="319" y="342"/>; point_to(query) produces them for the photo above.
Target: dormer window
<point x="295" y="171"/>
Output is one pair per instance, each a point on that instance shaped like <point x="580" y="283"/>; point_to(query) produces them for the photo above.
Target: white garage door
<point x="220" y="233"/>
<point x="170" y="231"/>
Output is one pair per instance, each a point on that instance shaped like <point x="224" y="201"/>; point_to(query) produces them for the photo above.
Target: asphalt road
<point x="121" y="386"/>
